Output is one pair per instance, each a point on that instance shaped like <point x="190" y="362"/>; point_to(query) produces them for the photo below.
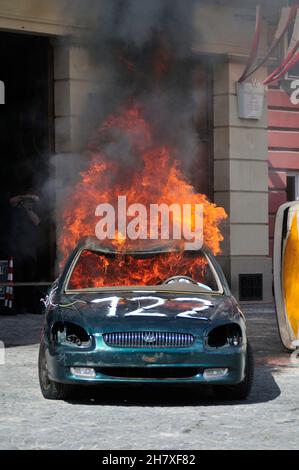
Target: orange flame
<point x="154" y="178"/>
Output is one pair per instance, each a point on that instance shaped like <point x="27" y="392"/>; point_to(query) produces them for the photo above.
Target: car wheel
<point x="242" y="390"/>
<point x="50" y="389"/>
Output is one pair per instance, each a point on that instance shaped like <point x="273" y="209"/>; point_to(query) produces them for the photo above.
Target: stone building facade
<point x="239" y="161"/>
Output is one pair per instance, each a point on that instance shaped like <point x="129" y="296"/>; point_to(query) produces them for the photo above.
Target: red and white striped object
<point x="292" y="56"/>
<point x="9" y="289"/>
<point x="286" y="17"/>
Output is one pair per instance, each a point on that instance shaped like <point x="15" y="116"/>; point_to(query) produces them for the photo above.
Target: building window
<point x="292" y="187"/>
<point x="294" y="71"/>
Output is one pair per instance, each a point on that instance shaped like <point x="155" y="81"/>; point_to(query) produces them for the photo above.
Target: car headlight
<point x="70" y="334"/>
<point x="225" y="335"/>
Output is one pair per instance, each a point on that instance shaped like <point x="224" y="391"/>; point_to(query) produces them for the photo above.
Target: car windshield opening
<point x="94" y="269"/>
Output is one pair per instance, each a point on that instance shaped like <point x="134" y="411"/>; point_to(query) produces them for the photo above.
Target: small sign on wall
<point x="250" y="100"/>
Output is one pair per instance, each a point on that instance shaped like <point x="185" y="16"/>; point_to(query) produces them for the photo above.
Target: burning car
<point x="143" y="314"/>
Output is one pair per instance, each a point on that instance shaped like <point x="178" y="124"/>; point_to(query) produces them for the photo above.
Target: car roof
<point x="131" y="246"/>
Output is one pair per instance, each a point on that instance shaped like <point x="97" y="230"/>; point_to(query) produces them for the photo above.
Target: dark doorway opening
<point x="26" y="138"/>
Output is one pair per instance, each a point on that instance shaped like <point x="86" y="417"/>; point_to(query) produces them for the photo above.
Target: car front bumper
<point x="103" y="359"/>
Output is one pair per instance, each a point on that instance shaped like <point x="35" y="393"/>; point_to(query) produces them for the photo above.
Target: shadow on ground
<point x="20" y="330"/>
<point x="264" y="389"/>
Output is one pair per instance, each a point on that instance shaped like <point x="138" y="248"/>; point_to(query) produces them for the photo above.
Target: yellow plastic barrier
<point x="286" y="272"/>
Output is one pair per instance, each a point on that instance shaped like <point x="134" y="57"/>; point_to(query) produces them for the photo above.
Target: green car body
<point x="168" y="333"/>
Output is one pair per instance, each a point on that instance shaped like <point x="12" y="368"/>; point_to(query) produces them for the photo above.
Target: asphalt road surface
<point x="146" y="417"/>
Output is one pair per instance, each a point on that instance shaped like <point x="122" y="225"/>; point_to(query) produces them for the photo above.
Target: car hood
<point x="150" y="308"/>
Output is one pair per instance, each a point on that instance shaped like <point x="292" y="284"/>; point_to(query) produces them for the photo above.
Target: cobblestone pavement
<point x="149" y="418"/>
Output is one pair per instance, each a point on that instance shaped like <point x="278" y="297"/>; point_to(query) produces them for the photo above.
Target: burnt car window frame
<point x="222" y="287"/>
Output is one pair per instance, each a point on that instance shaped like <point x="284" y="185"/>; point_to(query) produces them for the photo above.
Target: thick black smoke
<point x="143" y="50"/>
<point x="135" y="23"/>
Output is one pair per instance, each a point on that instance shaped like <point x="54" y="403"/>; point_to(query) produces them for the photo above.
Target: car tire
<point x="51" y="390"/>
<point x="242" y="390"/>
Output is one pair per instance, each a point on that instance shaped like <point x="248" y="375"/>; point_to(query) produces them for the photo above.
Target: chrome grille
<point x="148" y="339"/>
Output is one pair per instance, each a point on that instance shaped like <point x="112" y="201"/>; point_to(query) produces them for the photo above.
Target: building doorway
<point x="26" y="138"/>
